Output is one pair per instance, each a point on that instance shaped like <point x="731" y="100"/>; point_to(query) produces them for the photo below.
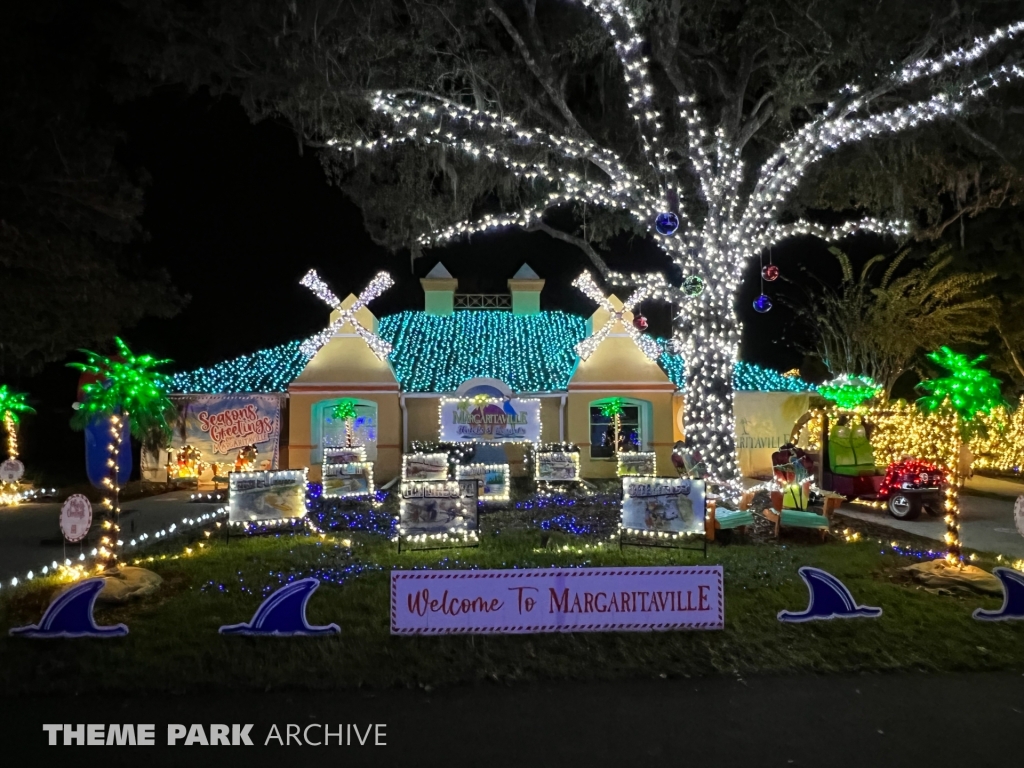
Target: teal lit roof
<point x="746" y="377"/>
<point x="530" y="353"/>
<point x="268" y="370"/>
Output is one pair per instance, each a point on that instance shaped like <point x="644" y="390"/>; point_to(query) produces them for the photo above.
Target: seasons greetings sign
<point x="218" y="425"/>
<point x="490" y="420"/>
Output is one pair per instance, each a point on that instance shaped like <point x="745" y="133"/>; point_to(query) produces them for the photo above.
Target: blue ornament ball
<point x="667" y="223"/>
<point x="762" y="304"/>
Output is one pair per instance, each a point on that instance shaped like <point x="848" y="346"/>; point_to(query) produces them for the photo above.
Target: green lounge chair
<point x="725" y="520"/>
<point x="801" y="518"/>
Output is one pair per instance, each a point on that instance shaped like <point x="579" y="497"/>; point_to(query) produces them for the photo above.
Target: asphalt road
<point x="30" y="534"/>
<point x="838" y="722"/>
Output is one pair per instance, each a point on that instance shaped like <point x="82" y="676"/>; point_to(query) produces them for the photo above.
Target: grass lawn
<point x="174" y="645"/>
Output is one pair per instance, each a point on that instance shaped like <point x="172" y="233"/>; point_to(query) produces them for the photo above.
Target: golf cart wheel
<point x="903" y="506"/>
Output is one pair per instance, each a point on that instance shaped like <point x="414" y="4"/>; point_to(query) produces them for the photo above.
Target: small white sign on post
<point x="494" y="479"/>
<point x="424" y="466"/>
<point x="637" y="463"/>
<point x="75" y="517"/>
<point x="665" y="507"/>
<point x="557" y="467"/>
<point x="520" y="601"/>
<point x="11" y="470"/>
<point x="267" y="495"/>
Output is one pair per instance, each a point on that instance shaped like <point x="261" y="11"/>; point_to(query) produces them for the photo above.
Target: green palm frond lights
<point x="850" y="391"/>
<point x="972" y="390"/>
<point x="127" y="383"/>
<point x="12" y="404"/>
<point x="612" y="407"/>
<point x="344" y="410"/>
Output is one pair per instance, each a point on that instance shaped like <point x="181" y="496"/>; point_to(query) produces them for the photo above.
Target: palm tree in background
<point x="12" y="406"/>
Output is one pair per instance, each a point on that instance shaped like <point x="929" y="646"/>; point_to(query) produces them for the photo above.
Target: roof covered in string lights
<point x="530" y="353"/>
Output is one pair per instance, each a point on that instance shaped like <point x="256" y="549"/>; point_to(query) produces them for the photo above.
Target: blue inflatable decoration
<point x="70" y="615"/>
<point x="97" y="438"/>
<point x="283" y="614"/>
<point x="830" y="599"/>
<point x="1013" y="597"/>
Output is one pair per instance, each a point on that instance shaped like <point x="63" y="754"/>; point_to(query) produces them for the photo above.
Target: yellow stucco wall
<point x="346" y="367"/>
<point x="617" y="368"/>
<point x="389" y="430"/>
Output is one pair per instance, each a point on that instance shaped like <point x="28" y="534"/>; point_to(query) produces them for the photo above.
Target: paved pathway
<point x="986" y="523"/>
<point x="30" y="534"/>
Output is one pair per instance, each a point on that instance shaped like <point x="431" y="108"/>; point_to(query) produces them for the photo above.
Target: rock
<point x="940" y="575"/>
<point x="128" y="583"/>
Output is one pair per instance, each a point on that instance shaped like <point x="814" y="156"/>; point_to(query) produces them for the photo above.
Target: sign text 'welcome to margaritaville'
<point x="557" y="600"/>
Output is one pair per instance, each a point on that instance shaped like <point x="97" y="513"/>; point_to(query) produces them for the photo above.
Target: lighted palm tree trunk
<point x="109" y="542"/>
<point x="12" y="437"/>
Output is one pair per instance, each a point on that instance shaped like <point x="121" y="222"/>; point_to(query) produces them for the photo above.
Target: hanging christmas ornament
<point x="770" y="272"/>
<point x="640" y="323"/>
<point x="693" y="285"/>
<point x="667" y="223"/>
<point x="762" y="304"/>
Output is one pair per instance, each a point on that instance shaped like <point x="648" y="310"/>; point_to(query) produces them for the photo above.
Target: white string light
<point x="736" y="224"/>
<point x="647" y="345"/>
<point x="380" y="283"/>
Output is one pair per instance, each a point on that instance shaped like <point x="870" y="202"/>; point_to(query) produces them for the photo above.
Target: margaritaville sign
<point x="490" y="420"/>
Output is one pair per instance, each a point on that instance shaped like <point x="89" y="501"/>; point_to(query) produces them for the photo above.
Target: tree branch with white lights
<point x="692" y="192"/>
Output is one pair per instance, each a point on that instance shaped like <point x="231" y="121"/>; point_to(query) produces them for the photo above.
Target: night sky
<point x="237" y="216"/>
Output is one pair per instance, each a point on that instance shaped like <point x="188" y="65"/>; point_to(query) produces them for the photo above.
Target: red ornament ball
<point x="770" y="272"/>
<point x="640" y="323"/>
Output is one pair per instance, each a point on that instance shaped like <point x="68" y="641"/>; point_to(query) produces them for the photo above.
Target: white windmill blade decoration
<point x="585" y="282"/>
<point x="380" y="283"/>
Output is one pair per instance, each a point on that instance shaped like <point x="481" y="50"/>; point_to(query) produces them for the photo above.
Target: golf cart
<point x="845" y="464"/>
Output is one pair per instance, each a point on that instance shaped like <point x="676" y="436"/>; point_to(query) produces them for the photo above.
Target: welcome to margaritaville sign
<point x="490" y="420"/>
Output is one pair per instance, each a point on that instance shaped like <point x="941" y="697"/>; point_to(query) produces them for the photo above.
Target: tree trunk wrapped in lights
<point x="728" y="214"/>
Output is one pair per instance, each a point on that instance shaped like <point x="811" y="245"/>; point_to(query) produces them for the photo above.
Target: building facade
<point x="504" y="346"/>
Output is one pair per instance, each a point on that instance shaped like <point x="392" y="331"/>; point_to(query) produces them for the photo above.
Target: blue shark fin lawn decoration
<point x="70" y="615"/>
<point x="1013" y="597"/>
<point x="830" y="599"/>
<point x="283" y="614"/>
